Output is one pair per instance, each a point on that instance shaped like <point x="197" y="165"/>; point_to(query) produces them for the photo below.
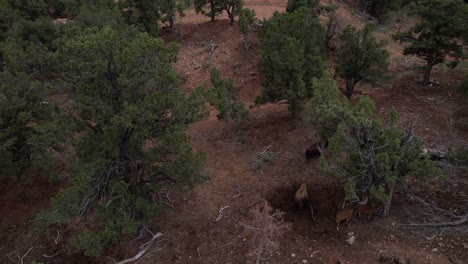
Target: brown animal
<point x="301" y="196"/>
<point x="344" y="215"/>
<point x="367" y="210"/>
<point x="315" y="150"/>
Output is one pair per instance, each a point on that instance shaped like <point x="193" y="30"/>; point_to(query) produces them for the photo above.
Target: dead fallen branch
<point x="311" y="210"/>
<point x="57" y="238"/>
<point x="229" y="243"/>
<point x="435" y="216"/>
<point x="221" y="213"/>
<point x="463" y="219"/>
<point x="52" y="256"/>
<point x="240" y="192"/>
<point x="264" y="151"/>
<point x="265" y="228"/>
<point x="21" y="259"/>
<point x="144" y="248"/>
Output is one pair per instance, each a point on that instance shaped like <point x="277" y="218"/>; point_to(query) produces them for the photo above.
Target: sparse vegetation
<point x="105" y="128"/>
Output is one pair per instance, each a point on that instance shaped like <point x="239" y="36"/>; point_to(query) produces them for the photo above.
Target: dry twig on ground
<point x="143" y="248"/>
<point x="434" y="216"/>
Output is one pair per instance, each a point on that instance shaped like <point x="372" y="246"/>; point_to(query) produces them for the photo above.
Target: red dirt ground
<point x="191" y="234"/>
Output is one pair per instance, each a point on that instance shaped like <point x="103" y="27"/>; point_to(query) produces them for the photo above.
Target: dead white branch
<point x="21" y="260"/>
<point x="57" y="238"/>
<point x="264" y="151"/>
<point x="221" y="213"/>
<point x="145" y="247"/>
<point x="462" y="220"/>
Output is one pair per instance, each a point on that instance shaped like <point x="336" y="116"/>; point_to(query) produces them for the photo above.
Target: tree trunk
<point x="427" y="74"/>
<point x="293" y="120"/>
<point x="246" y="42"/>
<point x="349" y="90"/>
<point x="212" y="10"/>
<point x="230" y="15"/>
<point x="388" y="203"/>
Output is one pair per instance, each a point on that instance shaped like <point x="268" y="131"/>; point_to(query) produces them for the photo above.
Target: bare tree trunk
<point x="349" y="90"/>
<point x="293" y="120"/>
<point x="388" y="203"/>
<point x="212" y="10"/>
<point x="427" y="74"/>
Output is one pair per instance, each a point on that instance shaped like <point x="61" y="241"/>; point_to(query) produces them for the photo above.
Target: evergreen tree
<point x="216" y="7"/>
<point x="246" y="18"/>
<point x="371" y="156"/>
<point x="143" y="13"/>
<point x="440" y="33"/>
<point x="292" y="53"/>
<point x="380" y="8"/>
<point x="223" y="96"/>
<point x="294" y="5"/>
<point x="361" y="58"/>
<point x="24" y="113"/>
<point x="127" y="94"/>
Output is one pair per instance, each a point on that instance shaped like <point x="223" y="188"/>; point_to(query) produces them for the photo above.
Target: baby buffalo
<point x="301" y="196"/>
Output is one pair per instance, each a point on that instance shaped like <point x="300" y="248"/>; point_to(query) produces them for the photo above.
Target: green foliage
<point x="23" y="113"/>
<point x="458" y="156"/>
<point x="294" y="5"/>
<point x="370" y="155"/>
<point x="126" y="93"/>
<point x="246" y="17"/>
<point x="464" y="85"/>
<point x="213" y="8"/>
<point x="259" y="161"/>
<point x="438" y="34"/>
<point x="223" y="96"/>
<point x="326" y="109"/>
<point x="29" y="9"/>
<point x="27" y="45"/>
<point x="101" y="13"/>
<point x="361" y="58"/>
<point x="380" y="8"/>
<point x="292" y="53"/>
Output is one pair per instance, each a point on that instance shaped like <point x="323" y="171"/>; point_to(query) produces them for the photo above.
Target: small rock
<point x="351" y="241"/>
<point x="350" y="233"/>
<point x="434" y="250"/>
<point x="252" y="73"/>
<point x="293" y="255"/>
<point x="304" y="261"/>
<point x="197" y="67"/>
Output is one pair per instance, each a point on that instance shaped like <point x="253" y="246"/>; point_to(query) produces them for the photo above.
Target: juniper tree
<point x="216" y="7"/>
<point x="294" y="5"/>
<point x="24" y="117"/>
<point x="292" y="53"/>
<point x="380" y="8"/>
<point x="127" y="95"/>
<point x="371" y="156"/>
<point x="223" y="96"/>
<point x="440" y="32"/>
<point x="246" y="18"/>
<point x="361" y="58"/>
